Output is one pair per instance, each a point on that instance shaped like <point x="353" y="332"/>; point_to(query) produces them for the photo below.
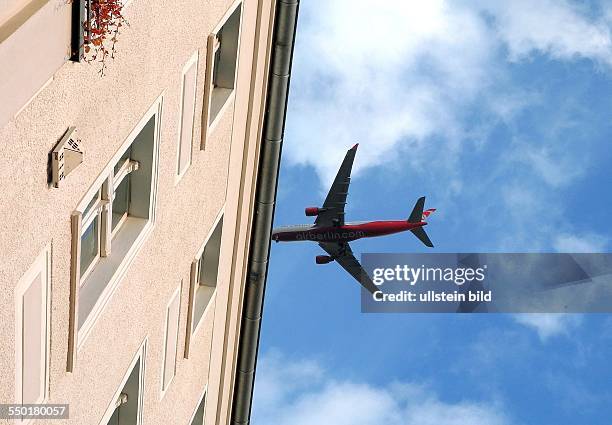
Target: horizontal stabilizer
<point x="419" y="232"/>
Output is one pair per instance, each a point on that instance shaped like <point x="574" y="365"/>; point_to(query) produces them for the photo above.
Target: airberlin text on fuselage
<point x="329" y="235"/>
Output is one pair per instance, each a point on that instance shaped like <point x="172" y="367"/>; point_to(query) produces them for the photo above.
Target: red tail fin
<point x="427" y="213"/>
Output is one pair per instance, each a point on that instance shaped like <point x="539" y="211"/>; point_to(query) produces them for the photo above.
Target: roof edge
<point x="283" y="42"/>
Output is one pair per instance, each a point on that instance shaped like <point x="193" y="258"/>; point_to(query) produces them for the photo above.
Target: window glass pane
<point x="216" y="60"/>
<point x="126" y="156"/>
<point x="198" y="418"/>
<point x="128" y="404"/>
<point x="224" y="64"/>
<point x="121" y="201"/>
<point x="91" y="203"/>
<point x="227" y="54"/>
<point x="209" y="262"/>
<point x="208" y="265"/>
<point x="90" y="245"/>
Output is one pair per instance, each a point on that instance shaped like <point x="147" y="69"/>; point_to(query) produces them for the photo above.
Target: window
<point x="90" y="236"/>
<point x="170" y="340"/>
<point x="206" y="269"/>
<point x="188" y="103"/>
<point x="112" y="202"/>
<point x="198" y="415"/>
<point x="222" y="57"/>
<point x="204" y="276"/>
<point x="126" y="407"/>
<point x="208" y="263"/>
<point x="32" y="326"/>
<point x="112" y="222"/>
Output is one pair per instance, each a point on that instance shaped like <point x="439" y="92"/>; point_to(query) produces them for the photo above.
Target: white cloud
<point x="589" y="243"/>
<point x="557" y="28"/>
<point x="380" y="73"/>
<point x="555" y="168"/>
<point x="309" y="399"/>
<point x="523" y="205"/>
<point x="523" y="200"/>
<point x="393" y="75"/>
<point x="281" y="378"/>
<point x="549" y="325"/>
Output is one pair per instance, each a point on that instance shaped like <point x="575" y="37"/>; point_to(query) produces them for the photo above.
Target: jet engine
<point x="312" y="211"/>
<point x="323" y="259"/>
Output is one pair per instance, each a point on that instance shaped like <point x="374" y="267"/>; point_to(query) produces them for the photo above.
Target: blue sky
<point x="501" y="114"/>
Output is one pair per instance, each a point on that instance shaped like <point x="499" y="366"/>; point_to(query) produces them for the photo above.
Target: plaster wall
<point x="152" y="52"/>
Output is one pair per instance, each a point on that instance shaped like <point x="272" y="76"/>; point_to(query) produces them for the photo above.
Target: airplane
<point x="333" y="234"/>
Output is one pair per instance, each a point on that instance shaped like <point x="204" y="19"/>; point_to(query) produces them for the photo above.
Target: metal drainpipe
<point x="270" y="152"/>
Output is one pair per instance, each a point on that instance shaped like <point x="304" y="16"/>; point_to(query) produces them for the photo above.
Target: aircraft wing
<point x="333" y="207"/>
<point x="343" y="255"/>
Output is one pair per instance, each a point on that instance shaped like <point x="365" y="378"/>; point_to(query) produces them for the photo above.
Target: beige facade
<point x="111" y="295"/>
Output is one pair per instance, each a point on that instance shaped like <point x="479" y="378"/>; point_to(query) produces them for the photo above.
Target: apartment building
<point x="136" y="206"/>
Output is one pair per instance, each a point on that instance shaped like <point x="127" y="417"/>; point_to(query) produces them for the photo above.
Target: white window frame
<point x="212" y="47"/>
<point x="116" y="179"/>
<point x="141" y="355"/>
<point x="176" y="294"/>
<point x="194" y="284"/>
<point x="102" y="209"/>
<point x="42" y="266"/>
<point x="106" y="180"/>
<point x="194" y="59"/>
<point x="94" y="213"/>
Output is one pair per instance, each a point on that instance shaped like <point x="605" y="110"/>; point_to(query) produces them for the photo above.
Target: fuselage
<point x="345" y="233"/>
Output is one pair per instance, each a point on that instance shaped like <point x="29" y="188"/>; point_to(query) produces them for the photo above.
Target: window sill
<point x="219" y="101"/>
<point x="204" y="299"/>
<point x="105" y="277"/>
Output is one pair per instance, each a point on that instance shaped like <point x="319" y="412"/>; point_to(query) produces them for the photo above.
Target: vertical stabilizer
<point x="417" y="212"/>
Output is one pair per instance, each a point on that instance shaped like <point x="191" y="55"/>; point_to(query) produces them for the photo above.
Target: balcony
<point x="35" y="41"/>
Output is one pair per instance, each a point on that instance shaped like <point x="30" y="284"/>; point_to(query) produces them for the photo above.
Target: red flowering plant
<point x="102" y="26"/>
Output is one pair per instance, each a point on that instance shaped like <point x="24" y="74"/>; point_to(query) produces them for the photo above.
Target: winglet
<point x="355" y="147"/>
